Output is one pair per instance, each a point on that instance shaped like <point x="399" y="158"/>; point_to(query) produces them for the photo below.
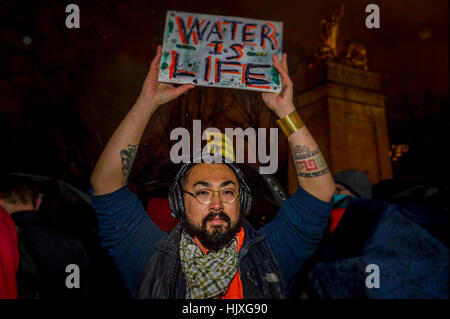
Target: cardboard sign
<point x="219" y="51"/>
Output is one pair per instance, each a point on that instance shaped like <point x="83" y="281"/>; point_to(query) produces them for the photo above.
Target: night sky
<point x="64" y="91"/>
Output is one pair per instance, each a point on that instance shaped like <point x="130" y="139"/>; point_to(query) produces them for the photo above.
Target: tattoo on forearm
<point x="302" y="152"/>
<point x="127" y="157"/>
<point x="308" y="163"/>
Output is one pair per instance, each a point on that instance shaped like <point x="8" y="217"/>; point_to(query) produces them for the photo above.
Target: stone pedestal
<point x="345" y="112"/>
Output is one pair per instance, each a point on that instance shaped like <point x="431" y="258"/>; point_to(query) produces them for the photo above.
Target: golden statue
<point x="329" y="30"/>
<point x="353" y="54"/>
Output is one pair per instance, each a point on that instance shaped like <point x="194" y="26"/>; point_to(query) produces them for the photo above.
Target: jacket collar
<point x="171" y="243"/>
<point x="26" y="217"/>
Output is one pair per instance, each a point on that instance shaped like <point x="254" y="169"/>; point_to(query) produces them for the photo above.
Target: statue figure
<point x="329" y="30"/>
<point x="353" y="54"/>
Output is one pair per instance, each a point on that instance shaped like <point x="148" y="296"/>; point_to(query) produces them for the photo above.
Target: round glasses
<point x="205" y="195"/>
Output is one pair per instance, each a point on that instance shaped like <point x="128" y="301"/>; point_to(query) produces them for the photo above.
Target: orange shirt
<point x="235" y="290"/>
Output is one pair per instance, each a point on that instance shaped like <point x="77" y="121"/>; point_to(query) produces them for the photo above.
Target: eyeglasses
<point x="205" y="195"/>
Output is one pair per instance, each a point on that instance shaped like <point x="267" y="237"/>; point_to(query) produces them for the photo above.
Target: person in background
<point x="349" y="183"/>
<point x="354" y="183"/>
<point x="45" y="253"/>
<point x="378" y="250"/>
<point x="9" y="256"/>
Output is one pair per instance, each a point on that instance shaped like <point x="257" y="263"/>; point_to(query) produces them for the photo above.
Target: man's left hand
<point x="281" y="103"/>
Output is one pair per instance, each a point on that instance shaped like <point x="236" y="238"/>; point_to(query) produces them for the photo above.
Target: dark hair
<point x="19" y="189"/>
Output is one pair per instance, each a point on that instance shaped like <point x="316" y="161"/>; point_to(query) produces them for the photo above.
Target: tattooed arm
<point x="312" y="171"/>
<point x="115" y="162"/>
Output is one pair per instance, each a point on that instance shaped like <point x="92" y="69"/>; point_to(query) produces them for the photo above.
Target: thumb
<point x="182" y="89"/>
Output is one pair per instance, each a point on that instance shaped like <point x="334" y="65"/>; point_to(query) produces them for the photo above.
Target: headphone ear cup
<point x="179" y="200"/>
<point x="246" y="200"/>
<point x="248" y="203"/>
<point x="246" y="197"/>
<point x="172" y="201"/>
<point x="175" y="196"/>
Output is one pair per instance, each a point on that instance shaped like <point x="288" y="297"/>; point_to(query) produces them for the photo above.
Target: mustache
<point x="213" y="215"/>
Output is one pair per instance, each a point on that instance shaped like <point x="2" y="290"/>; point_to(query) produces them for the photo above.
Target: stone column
<point x="344" y="109"/>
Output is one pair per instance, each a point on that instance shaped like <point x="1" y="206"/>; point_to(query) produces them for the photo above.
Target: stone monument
<point x="344" y="108"/>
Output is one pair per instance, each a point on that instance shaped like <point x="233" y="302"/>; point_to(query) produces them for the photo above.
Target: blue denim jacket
<point x="130" y="236"/>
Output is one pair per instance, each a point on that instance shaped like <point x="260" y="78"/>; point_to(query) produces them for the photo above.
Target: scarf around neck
<point x="208" y="274"/>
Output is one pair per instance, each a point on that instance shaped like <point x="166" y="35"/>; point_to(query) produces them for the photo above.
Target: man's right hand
<point x="156" y="93"/>
<point x="115" y="162"/>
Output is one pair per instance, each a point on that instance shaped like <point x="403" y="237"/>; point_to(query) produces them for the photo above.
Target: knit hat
<point x="356" y="181"/>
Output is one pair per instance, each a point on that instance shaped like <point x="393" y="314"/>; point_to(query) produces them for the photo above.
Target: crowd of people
<point x="319" y="244"/>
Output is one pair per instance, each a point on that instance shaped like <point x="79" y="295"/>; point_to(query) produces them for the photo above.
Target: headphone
<point x="176" y="191"/>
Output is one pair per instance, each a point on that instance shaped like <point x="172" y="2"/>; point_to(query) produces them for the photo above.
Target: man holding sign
<point x="214" y="252"/>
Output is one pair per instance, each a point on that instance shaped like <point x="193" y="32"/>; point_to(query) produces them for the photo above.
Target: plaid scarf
<point x="208" y="275"/>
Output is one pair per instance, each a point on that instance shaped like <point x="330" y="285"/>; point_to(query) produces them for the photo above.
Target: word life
<point x="219" y="51"/>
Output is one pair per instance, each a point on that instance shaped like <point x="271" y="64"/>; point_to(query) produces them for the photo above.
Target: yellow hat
<point x="221" y="143"/>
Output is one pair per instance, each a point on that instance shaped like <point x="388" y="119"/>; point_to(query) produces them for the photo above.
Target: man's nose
<point x="215" y="203"/>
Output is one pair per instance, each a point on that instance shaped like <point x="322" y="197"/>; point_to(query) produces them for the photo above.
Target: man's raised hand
<point x="156" y="93"/>
<point x="281" y="103"/>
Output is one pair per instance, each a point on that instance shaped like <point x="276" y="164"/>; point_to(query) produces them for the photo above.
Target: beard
<point x="219" y="236"/>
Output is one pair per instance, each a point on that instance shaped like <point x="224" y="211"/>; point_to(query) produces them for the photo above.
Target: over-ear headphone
<point x="176" y="191"/>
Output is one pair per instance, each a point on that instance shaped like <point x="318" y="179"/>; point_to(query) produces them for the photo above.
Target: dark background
<point x="63" y="94"/>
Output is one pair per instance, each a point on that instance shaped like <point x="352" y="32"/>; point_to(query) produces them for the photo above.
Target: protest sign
<point x="218" y="51"/>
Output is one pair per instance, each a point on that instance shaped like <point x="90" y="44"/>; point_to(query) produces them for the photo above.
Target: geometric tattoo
<point x="127" y="157"/>
<point x="308" y="163"/>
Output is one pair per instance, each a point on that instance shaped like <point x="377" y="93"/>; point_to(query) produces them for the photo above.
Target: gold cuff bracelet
<point x="290" y="123"/>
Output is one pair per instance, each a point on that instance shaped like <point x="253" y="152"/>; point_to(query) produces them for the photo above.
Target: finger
<point x="285" y="65"/>
<point x="277" y="63"/>
<point x="155" y="62"/>
<point x="264" y="95"/>
<point x="276" y="59"/>
<point x="182" y="89"/>
<point x="282" y="64"/>
<point x="165" y="86"/>
<point x="284" y="75"/>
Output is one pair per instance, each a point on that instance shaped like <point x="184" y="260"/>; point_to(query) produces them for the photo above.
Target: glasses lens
<point x="204" y="195"/>
<point x="228" y="195"/>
